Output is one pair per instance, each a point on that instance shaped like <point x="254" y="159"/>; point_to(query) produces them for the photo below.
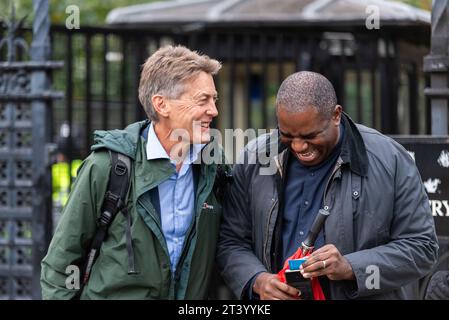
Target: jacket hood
<point x="123" y="141"/>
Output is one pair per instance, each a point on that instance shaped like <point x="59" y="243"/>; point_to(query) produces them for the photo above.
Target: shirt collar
<point x="155" y="150"/>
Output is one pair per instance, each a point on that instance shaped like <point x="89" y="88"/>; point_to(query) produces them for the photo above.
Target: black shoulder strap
<point x="114" y="201"/>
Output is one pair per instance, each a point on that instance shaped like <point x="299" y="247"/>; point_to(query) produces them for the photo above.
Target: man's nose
<point x="212" y="110"/>
<point x="299" y="145"/>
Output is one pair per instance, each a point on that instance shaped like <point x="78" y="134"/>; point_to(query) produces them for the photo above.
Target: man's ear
<point x="337" y="114"/>
<point x="160" y="105"/>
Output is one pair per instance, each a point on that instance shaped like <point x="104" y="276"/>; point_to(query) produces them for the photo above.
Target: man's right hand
<point x="269" y="287"/>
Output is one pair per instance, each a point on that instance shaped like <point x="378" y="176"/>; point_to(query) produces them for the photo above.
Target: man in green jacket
<point x="174" y="212"/>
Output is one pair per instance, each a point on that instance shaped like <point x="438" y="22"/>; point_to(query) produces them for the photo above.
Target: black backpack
<point x="114" y="201"/>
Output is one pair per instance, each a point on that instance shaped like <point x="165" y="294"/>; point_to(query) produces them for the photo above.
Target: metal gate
<point x="25" y="98"/>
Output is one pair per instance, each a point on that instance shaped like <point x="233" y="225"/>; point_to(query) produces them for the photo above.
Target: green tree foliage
<point x="92" y="12"/>
<point x="423" y="4"/>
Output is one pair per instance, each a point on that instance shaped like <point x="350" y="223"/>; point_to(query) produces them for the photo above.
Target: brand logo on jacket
<point x="207" y="206"/>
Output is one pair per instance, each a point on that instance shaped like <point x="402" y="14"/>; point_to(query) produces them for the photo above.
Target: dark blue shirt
<point x="303" y="197"/>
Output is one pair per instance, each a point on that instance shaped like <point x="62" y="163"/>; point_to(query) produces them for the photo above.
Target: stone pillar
<point x="437" y="65"/>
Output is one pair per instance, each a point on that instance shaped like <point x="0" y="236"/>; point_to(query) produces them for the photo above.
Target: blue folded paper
<point x="294" y="264"/>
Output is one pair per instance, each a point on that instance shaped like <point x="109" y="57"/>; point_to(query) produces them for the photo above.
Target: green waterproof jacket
<point x="109" y="277"/>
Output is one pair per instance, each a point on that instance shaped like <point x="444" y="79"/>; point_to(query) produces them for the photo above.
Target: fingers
<point x="279" y="290"/>
<point x="320" y="254"/>
<point x="321" y="262"/>
<point x="289" y="290"/>
<point x="315" y="262"/>
<point x="324" y="250"/>
<point x="269" y="287"/>
<point x="318" y="269"/>
<point x="282" y="291"/>
<point x="335" y="267"/>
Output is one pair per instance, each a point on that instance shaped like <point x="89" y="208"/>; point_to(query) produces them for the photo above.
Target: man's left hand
<point x="327" y="261"/>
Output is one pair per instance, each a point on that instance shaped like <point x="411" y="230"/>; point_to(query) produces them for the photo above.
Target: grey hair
<point x="305" y="89"/>
<point x="166" y="71"/>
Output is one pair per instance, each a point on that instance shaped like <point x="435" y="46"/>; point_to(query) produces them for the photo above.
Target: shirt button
<point x="301" y="233"/>
<point x="306" y="203"/>
<point x="312" y="174"/>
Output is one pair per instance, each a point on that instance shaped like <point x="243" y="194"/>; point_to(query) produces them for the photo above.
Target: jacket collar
<point x="152" y="173"/>
<point x="353" y="150"/>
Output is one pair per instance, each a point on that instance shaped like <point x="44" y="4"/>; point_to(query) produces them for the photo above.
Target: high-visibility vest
<point x="61" y="181"/>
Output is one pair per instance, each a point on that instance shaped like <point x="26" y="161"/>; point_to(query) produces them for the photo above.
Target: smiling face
<point x="310" y="136"/>
<point x="194" y="110"/>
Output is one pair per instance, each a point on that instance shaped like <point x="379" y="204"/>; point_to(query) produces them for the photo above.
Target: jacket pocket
<point x="369" y="230"/>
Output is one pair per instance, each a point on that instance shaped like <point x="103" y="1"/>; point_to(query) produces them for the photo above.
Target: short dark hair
<point x="305" y="89"/>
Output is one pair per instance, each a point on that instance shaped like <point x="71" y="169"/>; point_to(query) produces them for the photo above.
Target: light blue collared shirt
<point x="176" y="196"/>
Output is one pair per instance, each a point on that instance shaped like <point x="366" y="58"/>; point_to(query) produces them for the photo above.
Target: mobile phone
<point x="295" y="279"/>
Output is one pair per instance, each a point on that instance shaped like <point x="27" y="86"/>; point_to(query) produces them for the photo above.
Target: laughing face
<point x="194" y="110"/>
<point x="310" y="136"/>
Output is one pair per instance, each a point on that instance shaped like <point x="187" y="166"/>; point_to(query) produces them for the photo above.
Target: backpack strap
<point x="114" y="201"/>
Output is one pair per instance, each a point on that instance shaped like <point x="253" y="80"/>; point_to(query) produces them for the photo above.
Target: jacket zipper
<point x="270" y="213"/>
<point x="191" y="233"/>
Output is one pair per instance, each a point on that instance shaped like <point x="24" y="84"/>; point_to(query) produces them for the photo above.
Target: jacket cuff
<point x="248" y="292"/>
<point x="357" y="290"/>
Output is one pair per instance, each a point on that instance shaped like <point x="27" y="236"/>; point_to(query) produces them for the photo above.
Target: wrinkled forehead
<point x="199" y="84"/>
<point x="305" y="123"/>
